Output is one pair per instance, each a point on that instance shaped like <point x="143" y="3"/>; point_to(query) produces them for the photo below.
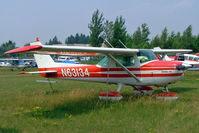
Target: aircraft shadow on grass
<point x="9" y="130"/>
<point x="86" y="105"/>
<point x="176" y="90"/>
<point x="76" y="107"/>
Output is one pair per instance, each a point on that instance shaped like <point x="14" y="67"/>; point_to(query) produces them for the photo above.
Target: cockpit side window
<point x="125" y="60"/>
<point x="190" y="58"/>
<point x="146" y="55"/>
<point x="196" y="59"/>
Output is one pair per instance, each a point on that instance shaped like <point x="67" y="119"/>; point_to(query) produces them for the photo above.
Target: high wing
<point x="36" y="47"/>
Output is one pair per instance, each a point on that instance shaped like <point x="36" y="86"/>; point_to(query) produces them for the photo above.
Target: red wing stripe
<point x="100" y="75"/>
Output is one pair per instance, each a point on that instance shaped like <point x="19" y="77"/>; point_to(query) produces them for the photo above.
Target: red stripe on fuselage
<point x="101" y="75"/>
<point x="95" y="71"/>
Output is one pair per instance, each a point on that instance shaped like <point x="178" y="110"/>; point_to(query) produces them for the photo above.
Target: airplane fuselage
<point x="157" y="73"/>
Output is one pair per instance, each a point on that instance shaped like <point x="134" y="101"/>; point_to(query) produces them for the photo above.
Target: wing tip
<point x="24" y="49"/>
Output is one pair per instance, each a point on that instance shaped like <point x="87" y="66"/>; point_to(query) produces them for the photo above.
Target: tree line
<point x="115" y="33"/>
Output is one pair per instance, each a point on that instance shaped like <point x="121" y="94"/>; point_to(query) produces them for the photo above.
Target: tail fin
<point x="44" y="61"/>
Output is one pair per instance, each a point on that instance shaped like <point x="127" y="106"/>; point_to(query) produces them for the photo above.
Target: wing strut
<point x="120" y="64"/>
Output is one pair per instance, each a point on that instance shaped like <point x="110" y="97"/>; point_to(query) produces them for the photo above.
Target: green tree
<point x="188" y="39"/>
<point x="170" y="40"/>
<point x="145" y="33"/>
<point x="155" y="42"/>
<point x="53" y="41"/>
<point x="6" y="47"/>
<point x="164" y="38"/>
<point x="141" y="37"/>
<point x="78" y="39"/>
<point x="119" y="32"/>
<point x="129" y="41"/>
<point x="177" y="41"/>
<point x="197" y="43"/>
<point x="137" y="38"/>
<point x="96" y="29"/>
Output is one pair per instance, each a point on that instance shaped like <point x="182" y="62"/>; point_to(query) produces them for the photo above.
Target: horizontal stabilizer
<point x="38" y="72"/>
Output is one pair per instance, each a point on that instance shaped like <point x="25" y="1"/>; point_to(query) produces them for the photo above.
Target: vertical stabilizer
<point x="44" y="61"/>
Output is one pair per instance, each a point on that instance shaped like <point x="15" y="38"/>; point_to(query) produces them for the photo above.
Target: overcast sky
<point x="23" y="20"/>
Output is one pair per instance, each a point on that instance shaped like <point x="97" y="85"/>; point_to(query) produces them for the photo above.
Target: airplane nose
<point x="184" y="66"/>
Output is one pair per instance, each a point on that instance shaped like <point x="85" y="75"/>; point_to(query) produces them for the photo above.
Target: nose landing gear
<point x="166" y="95"/>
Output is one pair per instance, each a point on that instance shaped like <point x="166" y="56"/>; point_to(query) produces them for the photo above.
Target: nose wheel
<point x="143" y="90"/>
<point x="166" y="95"/>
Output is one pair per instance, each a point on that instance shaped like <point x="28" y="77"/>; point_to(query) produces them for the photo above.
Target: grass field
<point x="72" y="106"/>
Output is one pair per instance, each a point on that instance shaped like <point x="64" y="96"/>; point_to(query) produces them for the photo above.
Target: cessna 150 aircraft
<point x="122" y="66"/>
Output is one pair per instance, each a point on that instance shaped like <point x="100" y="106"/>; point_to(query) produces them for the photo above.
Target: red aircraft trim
<point x="100" y="75"/>
<point x="94" y="68"/>
<point x="68" y="53"/>
<point x="24" y="49"/>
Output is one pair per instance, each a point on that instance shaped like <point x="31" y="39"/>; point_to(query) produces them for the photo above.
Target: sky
<point x="23" y="20"/>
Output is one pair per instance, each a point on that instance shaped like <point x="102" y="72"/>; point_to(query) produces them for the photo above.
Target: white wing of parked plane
<point x="158" y="50"/>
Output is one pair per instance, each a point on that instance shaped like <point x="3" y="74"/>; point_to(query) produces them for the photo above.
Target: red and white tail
<point x="45" y="60"/>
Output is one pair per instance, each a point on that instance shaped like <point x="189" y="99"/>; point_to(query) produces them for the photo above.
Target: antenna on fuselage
<point x="122" y="44"/>
<point x="108" y="43"/>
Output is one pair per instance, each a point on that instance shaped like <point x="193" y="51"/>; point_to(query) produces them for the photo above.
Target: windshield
<point x="103" y="62"/>
<point x="146" y="55"/>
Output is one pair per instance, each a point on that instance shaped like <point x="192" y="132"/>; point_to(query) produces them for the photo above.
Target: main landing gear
<point x="166" y="95"/>
<point x="116" y="96"/>
<point x="112" y="95"/>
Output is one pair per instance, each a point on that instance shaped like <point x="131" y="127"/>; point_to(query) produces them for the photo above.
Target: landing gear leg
<point x="166" y="95"/>
<point x="138" y="89"/>
<point x="119" y="87"/>
<point x="165" y="89"/>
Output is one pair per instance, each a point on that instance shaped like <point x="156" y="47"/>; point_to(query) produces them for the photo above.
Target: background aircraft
<point x="189" y="59"/>
<point x="17" y="62"/>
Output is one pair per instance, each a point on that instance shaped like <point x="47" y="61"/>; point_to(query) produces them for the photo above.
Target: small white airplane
<point x="189" y="59"/>
<point x="138" y="68"/>
<point x="16" y="62"/>
<point x="67" y="59"/>
<point x="5" y="64"/>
